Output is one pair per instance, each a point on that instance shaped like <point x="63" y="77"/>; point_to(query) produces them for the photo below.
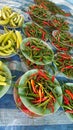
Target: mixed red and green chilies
<point x="68" y="99"/>
<point x="32" y="65"/>
<point x="37" y="51"/>
<point x="52" y="7"/>
<point x="39" y="90"/>
<point x="64" y="63"/>
<point x="32" y="29"/>
<point x="46" y="19"/>
<point x="63" y="38"/>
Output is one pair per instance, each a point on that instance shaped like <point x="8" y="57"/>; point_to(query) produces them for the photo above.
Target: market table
<point x="10" y="116"/>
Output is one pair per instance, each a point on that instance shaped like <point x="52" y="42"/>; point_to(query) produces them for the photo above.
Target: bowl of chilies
<point x="39" y="15"/>
<point x="5" y="79"/>
<point x="37" y="51"/>
<point x="32" y="29"/>
<point x="63" y="37"/>
<point x="46" y="19"/>
<point x="67" y="105"/>
<point x="64" y="64"/>
<point x="10" y="18"/>
<point x="40" y="92"/>
<point x="62" y="40"/>
<point x="52" y="7"/>
<point x="58" y="23"/>
<point x="9" y="43"/>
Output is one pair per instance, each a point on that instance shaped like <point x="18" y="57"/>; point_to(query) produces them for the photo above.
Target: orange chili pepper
<point x="69" y="93"/>
<point x="33" y="86"/>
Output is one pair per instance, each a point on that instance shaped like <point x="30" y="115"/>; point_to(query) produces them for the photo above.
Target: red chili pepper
<point x="55" y="45"/>
<point x="33" y="7"/>
<point x="27" y="111"/>
<point x="38" y="100"/>
<point x="41" y="73"/>
<point x="51" y="106"/>
<point x="32" y="75"/>
<point x="67" y="14"/>
<point x="60" y="48"/>
<point x="33" y="86"/>
<point x="37" y="49"/>
<point x="42" y="4"/>
<point x="53" y="78"/>
<point x="28" y="62"/>
<point x="66" y="100"/>
<point x="67" y="67"/>
<point x="64" y="49"/>
<point x="55" y="21"/>
<point x="43" y="35"/>
<point x="52" y="97"/>
<point x="18" y="100"/>
<point x="65" y="56"/>
<point x="69" y="111"/>
<point x="28" y="34"/>
<point x="69" y="93"/>
<point x="46" y="23"/>
<point x="28" y="44"/>
<point x="34" y="47"/>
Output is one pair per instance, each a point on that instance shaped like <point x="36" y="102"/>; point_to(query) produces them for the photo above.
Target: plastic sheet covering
<point x="10" y="115"/>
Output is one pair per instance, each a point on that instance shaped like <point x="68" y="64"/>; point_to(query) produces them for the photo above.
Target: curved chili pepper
<point x="33" y="86"/>
<point x="43" y="74"/>
<point x="66" y="100"/>
<point x="69" y="111"/>
<point x="69" y="93"/>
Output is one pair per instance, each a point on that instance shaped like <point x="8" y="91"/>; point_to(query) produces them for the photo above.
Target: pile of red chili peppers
<point x="68" y="99"/>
